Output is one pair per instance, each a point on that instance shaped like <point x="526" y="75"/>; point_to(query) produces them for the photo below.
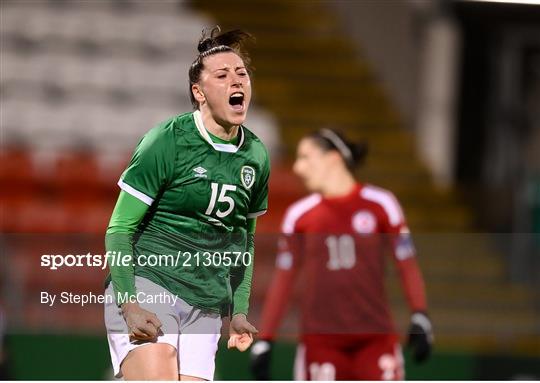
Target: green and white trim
<point x="135" y="193"/>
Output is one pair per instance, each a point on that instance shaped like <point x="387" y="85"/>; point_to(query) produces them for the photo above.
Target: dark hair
<point x="214" y="42"/>
<point x="353" y="154"/>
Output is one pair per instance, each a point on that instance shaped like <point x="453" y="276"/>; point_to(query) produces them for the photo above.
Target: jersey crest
<point x="364" y="222"/>
<point x="247" y="176"/>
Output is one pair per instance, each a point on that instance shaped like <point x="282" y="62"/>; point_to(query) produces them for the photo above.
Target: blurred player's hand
<point x="420" y="337"/>
<point x="142" y="324"/>
<point x="241" y="333"/>
<point x="261" y="353"/>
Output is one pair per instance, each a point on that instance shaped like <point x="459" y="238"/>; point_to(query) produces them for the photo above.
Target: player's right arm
<point x="126" y="216"/>
<point x="277" y="297"/>
<point x="150" y="169"/>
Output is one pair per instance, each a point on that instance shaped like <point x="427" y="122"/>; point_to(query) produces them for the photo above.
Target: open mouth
<point x="236" y="100"/>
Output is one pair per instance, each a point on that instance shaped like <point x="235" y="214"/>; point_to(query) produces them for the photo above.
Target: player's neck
<point x="226" y="133"/>
<point x="339" y="185"/>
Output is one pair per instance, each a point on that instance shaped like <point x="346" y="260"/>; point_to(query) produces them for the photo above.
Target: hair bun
<point x="359" y="151"/>
<point x="206" y="44"/>
<point x="212" y="38"/>
<point x="208" y="39"/>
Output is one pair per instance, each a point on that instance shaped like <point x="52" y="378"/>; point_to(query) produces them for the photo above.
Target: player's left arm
<point x="241" y="331"/>
<point x="420" y="336"/>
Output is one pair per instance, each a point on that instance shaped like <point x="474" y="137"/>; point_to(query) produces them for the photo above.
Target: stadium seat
<point x="16" y="173"/>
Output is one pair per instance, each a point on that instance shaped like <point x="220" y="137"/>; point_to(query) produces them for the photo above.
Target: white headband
<point x="338" y="143"/>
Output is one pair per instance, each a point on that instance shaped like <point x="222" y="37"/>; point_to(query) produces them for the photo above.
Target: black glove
<point x="260" y="359"/>
<point x="420" y="337"/>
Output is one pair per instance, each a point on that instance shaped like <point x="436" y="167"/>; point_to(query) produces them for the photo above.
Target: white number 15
<point x="222" y="198"/>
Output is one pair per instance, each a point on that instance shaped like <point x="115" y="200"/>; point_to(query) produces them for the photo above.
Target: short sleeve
<point x="391" y="217"/>
<point x="151" y="165"/>
<point x="394" y="222"/>
<point x="259" y="201"/>
<point x="398" y="230"/>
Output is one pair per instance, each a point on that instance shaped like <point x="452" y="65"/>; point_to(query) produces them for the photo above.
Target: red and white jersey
<point x="341" y="245"/>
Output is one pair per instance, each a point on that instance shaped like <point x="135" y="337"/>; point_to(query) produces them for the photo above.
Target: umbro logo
<point x="201" y="172"/>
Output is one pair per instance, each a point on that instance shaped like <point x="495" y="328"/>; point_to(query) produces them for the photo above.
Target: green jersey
<point x="200" y="193"/>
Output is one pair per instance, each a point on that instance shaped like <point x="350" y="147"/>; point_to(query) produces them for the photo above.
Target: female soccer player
<point x="180" y="239"/>
<point x="338" y="236"/>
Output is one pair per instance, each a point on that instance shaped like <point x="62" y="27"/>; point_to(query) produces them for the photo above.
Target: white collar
<point x="229" y="148"/>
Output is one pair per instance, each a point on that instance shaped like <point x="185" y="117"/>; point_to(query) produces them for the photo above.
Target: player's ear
<point x="334" y="156"/>
<point x="198" y="93"/>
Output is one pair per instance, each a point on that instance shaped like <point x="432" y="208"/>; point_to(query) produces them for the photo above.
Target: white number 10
<point x="341" y="252"/>
<point x="222" y="198"/>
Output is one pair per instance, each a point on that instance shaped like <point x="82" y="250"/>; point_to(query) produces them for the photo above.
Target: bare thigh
<point x="156" y="361"/>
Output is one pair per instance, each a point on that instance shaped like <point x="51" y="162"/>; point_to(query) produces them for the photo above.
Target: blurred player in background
<point x="339" y="236"/>
<point x="195" y="185"/>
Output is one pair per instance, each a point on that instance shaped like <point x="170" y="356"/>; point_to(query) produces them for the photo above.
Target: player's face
<point x="224" y="88"/>
<point x="312" y="164"/>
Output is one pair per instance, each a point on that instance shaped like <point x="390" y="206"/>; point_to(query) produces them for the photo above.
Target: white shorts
<point x="193" y="332"/>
